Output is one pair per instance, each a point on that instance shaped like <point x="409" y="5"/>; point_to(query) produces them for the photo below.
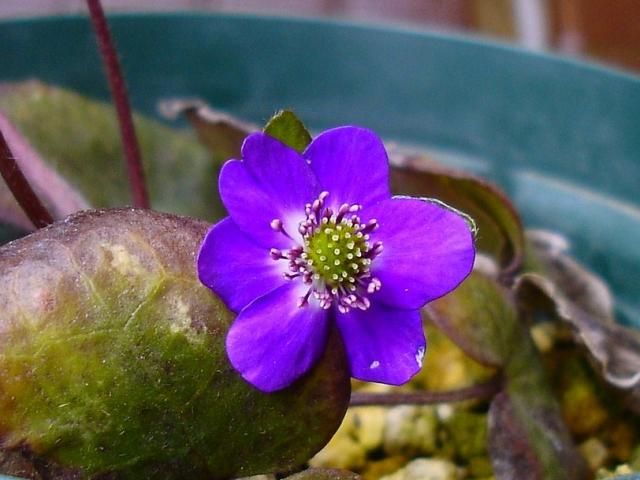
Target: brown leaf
<point x="579" y="285"/>
<point x="221" y="133"/>
<point x="500" y="231"/>
<point x="568" y="291"/>
<point x="614" y="348"/>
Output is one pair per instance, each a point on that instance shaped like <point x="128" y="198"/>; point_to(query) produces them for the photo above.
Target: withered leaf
<point x="220" y="132"/>
<point x="569" y="292"/>
<point x="549" y="255"/>
<point x="614" y="348"/>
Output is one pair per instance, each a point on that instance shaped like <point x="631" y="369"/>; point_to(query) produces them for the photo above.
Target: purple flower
<point x="315" y="238"/>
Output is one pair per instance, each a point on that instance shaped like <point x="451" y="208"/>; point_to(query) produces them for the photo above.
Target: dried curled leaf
<point x="550" y="252"/>
<point x="112" y="359"/>
<point x="615" y="348"/>
<point x="576" y="296"/>
<point x="221" y="133"/>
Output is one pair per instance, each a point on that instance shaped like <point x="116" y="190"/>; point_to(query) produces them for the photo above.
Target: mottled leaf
<point x="112" y="358"/>
<point x="500" y="231"/>
<point x="324" y="474"/>
<point x="527" y="436"/>
<point x="53" y="190"/>
<point x="288" y="128"/>
<point x="527" y="441"/>
<point x="79" y="139"/>
<point x="221" y="133"/>
<point x="512" y="453"/>
<point x="477" y="317"/>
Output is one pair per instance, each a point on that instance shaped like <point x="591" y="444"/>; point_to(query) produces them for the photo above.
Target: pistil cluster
<point x="335" y="256"/>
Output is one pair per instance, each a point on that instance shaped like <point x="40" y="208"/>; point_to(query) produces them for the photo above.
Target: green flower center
<point x="334" y="258"/>
<point x="336" y="253"/>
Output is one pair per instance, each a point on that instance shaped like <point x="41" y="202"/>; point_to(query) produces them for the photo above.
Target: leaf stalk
<point x="480" y="391"/>
<point x="118" y="88"/>
<point x="20" y="187"/>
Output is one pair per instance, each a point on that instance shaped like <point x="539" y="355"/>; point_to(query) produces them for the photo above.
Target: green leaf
<point x="288" y="128"/>
<point x="477" y="317"/>
<point x="500" y="232"/>
<point x="79" y="139"/>
<point x="112" y="359"/>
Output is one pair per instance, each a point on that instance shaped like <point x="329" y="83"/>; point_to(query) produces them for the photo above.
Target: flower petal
<point x="272" y="181"/>
<point x="273" y="342"/>
<point x="351" y="164"/>
<point x="235" y="268"/>
<point x="428" y="250"/>
<point x="383" y="344"/>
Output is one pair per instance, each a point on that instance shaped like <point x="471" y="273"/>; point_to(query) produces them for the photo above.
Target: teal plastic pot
<point x="561" y="137"/>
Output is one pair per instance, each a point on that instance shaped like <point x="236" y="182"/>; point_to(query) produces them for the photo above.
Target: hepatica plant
<point x="315" y="239"/>
<point x="116" y="360"/>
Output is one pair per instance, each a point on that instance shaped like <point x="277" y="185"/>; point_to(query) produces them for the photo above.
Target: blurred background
<point x="602" y="30"/>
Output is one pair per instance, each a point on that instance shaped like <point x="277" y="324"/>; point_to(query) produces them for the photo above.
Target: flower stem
<point x="475" y="392"/>
<point x="20" y="187"/>
<point x="118" y="88"/>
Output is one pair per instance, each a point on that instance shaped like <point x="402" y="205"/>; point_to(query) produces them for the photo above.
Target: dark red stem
<point x="118" y="88"/>
<point x="475" y="392"/>
<point x="20" y="187"/>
